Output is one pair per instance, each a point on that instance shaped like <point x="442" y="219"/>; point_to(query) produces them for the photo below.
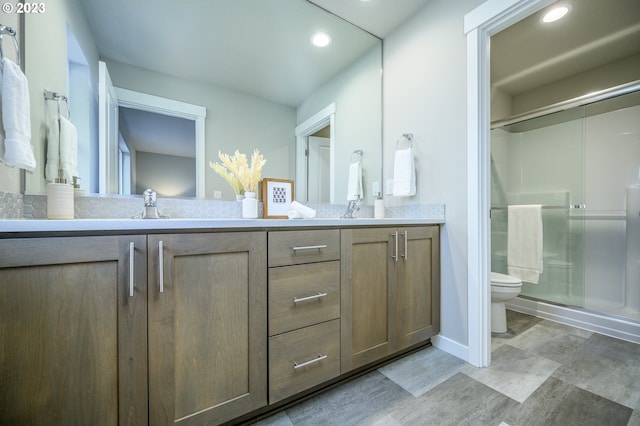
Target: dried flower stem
<point x="235" y="169"/>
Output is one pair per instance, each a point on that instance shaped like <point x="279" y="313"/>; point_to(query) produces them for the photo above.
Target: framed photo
<point x="277" y="195"/>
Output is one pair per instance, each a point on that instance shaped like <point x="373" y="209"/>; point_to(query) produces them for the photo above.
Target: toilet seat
<point x="502" y="280"/>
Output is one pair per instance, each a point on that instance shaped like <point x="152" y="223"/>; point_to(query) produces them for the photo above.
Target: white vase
<point x="250" y="206"/>
<point x="239" y="197"/>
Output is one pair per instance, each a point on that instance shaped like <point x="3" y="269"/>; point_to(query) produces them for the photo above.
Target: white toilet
<point x="503" y="288"/>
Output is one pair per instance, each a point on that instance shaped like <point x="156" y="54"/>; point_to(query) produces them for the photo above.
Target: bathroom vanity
<point x="203" y="321"/>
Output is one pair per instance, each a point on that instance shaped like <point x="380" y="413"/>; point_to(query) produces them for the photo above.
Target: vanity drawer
<point x="296" y="247"/>
<point x="303" y="295"/>
<point x="301" y="359"/>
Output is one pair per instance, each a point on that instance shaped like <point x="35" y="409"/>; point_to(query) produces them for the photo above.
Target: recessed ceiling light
<point x="555" y="13"/>
<point x="320" y="39"/>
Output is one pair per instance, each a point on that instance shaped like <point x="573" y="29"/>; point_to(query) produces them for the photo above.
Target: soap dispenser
<point x="60" y="198"/>
<point x="77" y="192"/>
<point x="378" y="207"/>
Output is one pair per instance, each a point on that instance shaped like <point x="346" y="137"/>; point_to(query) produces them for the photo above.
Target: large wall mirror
<point x="248" y="65"/>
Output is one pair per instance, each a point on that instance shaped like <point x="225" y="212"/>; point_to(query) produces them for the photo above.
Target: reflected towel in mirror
<point x="354" y="184"/>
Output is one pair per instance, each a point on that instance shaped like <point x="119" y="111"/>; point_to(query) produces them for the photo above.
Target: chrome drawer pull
<point x="161" y="265"/>
<point x="132" y="254"/>
<point x="313" y="361"/>
<point x="304" y="299"/>
<point x="310" y="247"/>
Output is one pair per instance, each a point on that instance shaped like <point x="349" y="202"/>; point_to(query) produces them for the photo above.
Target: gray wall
<point x="425" y="94"/>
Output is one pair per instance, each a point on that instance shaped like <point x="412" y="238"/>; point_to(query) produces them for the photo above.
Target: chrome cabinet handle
<point x="161" y="265"/>
<point x="132" y="253"/>
<point x="320" y="247"/>
<point x="406" y="246"/>
<point x="395" y="241"/>
<point x="313" y="361"/>
<point x="304" y="299"/>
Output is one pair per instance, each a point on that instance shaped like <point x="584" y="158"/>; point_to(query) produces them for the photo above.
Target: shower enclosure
<point x="580" y="160"/>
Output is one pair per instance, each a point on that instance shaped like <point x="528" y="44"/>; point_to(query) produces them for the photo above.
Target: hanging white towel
<point x="524" y="242"/>
<point x="354" y="184"/>
<point x="53" y="151"/>
<point x="68" y="149"/>
<point x="16" y="117"/>
<point x="404" y="174"/>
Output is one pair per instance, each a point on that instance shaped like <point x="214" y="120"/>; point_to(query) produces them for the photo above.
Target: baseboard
<point x="451" y="346"/>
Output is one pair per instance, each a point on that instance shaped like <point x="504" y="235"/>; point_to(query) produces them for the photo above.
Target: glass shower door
<point x="541" y="161"/>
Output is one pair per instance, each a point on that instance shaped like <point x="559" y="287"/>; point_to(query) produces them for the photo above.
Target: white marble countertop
<point x="11" y="227"/>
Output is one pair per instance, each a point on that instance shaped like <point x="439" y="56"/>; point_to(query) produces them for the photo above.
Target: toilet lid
<point x="502" y="279"/>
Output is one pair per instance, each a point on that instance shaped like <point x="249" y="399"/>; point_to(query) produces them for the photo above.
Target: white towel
<point x="68" y="149"/>
<point x="524" y="242"/>
<point x="354" y="183"/>
<point x="300" y="211"/>
<point x="16" y="117"/>
<point x="53" y="151"/>
<point x="404" y="174"/>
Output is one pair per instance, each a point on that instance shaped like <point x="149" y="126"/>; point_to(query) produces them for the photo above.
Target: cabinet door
<point x="72" y="337"/>
<point x="207" y="327"/>
<point x="418" y="285"/>
<point x="368" y="306"/>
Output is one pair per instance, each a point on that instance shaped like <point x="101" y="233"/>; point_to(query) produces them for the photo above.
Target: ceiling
<point x="379" y="17"/>
<point x="595" y="32"/>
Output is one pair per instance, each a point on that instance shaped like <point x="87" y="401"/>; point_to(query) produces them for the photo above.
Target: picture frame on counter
<point x="276" y="195"/>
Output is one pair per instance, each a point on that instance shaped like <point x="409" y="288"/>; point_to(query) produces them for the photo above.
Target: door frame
<point x="479" y="25"/>
<point x="324" y="117"/>
<point x="197" y="114"/>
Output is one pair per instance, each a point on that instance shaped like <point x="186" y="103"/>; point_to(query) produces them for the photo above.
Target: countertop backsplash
<point x="17" y="206"/>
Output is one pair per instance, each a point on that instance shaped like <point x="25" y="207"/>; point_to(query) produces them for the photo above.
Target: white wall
<point x="424" y="93"/>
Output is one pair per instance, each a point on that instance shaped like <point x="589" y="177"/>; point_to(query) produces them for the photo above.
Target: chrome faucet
<point x="150" y="211"/>
<point x="352" y="207"/>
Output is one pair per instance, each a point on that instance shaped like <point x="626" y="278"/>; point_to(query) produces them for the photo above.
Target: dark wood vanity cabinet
<point x="73" y="331"/>
<point x="77" y="315"/>
<point x="390" y="291"/>
<point x="205" y="327"/>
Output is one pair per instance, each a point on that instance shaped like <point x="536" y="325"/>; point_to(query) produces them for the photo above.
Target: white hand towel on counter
<point x="354" y="183"/>
<point x="53" y="151"/>
<point x="16" y="117"/>
<point x="524" y="242"/>
<point x="404" y="174"/>
<point x="300" y="211"/>
<point x="68" y="149"/>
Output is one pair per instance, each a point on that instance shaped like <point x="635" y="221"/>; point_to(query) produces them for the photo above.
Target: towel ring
<point x="406" y="137"/>
<point x="11" y="32"/>
<point x="356" y="156"/>
<point x="53" y="96"/>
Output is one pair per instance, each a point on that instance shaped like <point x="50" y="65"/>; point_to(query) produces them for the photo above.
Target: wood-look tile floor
<point x="542" y="373"/>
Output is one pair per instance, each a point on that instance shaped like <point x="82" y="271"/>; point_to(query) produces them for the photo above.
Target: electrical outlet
<point x="389" y="187"/>
<point x="376" y="187"/>
<point x="217" y="195"/>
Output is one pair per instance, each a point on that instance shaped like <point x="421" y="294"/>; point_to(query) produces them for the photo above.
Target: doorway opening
<point x="315" y="157"/>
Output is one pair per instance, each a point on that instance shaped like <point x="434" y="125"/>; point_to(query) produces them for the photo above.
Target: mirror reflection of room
<point x="253" y="99"/>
